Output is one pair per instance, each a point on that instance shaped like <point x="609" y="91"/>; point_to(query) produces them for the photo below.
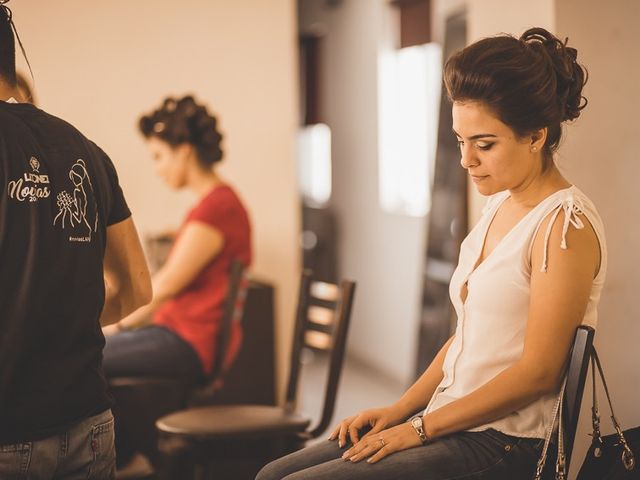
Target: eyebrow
<point x="477" y="136"/>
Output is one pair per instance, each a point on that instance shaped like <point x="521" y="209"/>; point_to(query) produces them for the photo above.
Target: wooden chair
<point x="251" y="377"/>
<point x="236" y="441"/>
<point x="576" y="375"/>
<point x="576" y="371"/>
<point x="140" y="401"/>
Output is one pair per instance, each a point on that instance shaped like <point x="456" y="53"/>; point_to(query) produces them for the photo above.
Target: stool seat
<point x="210" y="423"/>
<point x="135" y="382"/>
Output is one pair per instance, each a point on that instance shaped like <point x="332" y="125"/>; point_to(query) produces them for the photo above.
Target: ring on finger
<point x="382" y="442"/>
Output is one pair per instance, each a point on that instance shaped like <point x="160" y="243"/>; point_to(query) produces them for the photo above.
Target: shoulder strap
<point x="556" y="418"/>
<point x="628" y="457"/>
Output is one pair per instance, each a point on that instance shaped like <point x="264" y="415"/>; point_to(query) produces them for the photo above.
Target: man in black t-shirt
<point x="69" y="258"/>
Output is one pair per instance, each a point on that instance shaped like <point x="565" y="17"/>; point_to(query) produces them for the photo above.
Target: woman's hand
<point x="376" y="418"/>
<point x="110" y="330"/>
<point x="384" y="443"/>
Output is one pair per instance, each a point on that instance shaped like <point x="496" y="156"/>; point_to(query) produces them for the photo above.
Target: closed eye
<point x="484" y="146"/>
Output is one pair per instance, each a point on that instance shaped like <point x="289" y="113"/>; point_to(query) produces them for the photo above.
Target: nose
<point x="467" y="157"/>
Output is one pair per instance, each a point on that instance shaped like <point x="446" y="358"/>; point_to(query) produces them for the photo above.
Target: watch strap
<point x="418" y="425"/>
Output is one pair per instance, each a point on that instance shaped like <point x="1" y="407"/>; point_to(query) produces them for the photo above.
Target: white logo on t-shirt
<point x="72" y="207"/>
<point x="31" y="186"/>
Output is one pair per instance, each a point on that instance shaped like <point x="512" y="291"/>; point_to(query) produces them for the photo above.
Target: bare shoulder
<point x="566" y="243"/>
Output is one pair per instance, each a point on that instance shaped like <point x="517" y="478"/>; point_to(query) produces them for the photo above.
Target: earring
<point x="534" y="149"/>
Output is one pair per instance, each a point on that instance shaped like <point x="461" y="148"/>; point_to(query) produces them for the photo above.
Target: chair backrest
<point x="232" y="312"/>
<point x="577" y="369"/>
<point x="322" y="322"/>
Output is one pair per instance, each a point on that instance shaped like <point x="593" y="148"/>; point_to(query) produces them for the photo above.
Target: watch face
<point x="417" y="422"/>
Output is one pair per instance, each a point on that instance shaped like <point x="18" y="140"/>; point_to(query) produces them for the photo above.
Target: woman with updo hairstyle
<point x="174" y="335"/>
<point x="529" y="273"/>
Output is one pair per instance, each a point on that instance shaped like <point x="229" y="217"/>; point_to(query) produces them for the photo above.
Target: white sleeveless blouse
<point x="492" y="321"/>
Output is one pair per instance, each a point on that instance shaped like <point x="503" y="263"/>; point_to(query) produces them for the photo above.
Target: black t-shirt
<point x="59" y="192"/>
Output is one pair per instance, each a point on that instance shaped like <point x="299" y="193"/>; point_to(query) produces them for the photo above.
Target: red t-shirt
<point x="194" y="314"/>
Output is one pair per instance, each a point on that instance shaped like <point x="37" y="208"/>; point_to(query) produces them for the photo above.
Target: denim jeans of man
<point x="84" y="451"/>
<point x="487" y="455"/>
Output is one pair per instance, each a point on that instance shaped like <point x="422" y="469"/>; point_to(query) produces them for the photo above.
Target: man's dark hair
<point x="7" y="48"/>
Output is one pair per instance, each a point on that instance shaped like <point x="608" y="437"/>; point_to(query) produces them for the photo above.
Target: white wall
<point x="100" y="65"/>
<point x="600" y="155"/>
<point x="383" y="252"/>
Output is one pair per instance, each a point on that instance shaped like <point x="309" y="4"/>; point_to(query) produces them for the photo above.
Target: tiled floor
<point x="360" y="387"/>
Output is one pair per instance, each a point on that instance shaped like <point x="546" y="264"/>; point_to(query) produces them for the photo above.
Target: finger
<point x="344" y="430"/>
<point x="376" y="428"/>
<point x="371" y="448"/>
<point x="354" y="450"/>
<point x="354" y="430"/>
<point x="338" y="429"/>
<point x="355" y="453"/>
<point x="380" y="454"/>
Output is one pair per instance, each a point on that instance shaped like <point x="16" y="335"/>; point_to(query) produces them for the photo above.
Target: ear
<point x="184" y="150"/>
<point x="537" y="139"/>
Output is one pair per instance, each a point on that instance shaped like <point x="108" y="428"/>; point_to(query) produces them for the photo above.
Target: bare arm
<point x="419" y="394"/>
<point x="557" y="306"/>
<point x="558" y="302"/>
<point x="414" y="399"/>
<point x="127" y="282"/>
<point x="198" y="244"/>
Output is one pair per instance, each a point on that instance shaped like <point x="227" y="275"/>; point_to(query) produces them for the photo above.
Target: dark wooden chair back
<point x="232" y="312"/>
<point x="577" y="369"/>
<point x="322" y="322"/>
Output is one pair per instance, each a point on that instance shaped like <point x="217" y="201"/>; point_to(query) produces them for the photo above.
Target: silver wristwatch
<point x="418" y="426"/>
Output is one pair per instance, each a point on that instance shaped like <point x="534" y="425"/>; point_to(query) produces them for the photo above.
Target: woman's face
<point x="494" y="156"/>
<point x="170" y="163"/>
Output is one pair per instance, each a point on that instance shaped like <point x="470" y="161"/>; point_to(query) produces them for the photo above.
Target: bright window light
<point x="314" y="164"/>
<point x="409" y="96"/>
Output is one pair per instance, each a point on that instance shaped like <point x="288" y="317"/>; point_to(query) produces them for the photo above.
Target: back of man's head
<point x="7" y="48"/>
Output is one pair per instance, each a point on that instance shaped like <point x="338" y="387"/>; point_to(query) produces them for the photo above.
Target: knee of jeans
<point x="266" y="473"/>
<point x="271" y="471"/>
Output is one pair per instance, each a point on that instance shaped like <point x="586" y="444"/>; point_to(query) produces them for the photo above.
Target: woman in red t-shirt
<point x="175" y="334"/>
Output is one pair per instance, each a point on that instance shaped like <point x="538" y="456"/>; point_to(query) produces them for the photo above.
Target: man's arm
<point x="127" y="281"/>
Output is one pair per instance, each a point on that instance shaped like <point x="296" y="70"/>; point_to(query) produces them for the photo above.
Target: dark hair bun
<point x="183" y="120"/>
<point x="567" y="74"/>
<point x="531" y="82"/>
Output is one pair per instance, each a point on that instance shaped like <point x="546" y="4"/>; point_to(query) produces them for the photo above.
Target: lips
<point x="479" y="178"/>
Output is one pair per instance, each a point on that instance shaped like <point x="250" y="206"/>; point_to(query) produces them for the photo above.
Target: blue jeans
<point x="489" y="455"/>
<point x="150" y="352"/>
<point x="85" y="451"/>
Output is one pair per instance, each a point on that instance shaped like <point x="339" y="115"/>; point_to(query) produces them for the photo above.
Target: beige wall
<point x="600" y="155"/>
<point x="491" y="17"/>
<point x="100" y="64"/>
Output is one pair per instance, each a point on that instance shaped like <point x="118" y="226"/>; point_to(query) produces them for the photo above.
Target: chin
<point x="174" y="184"/>
<point x="487" y="187"/>
<point x="485" y="190"/>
